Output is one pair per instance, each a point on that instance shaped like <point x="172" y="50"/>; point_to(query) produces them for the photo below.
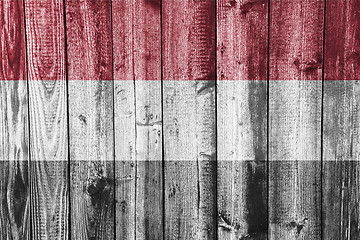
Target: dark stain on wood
<point x="250" y="5"/>
<point x="258" y="106"/>
<point x="99" y="191"/>
<point x="256" y="198"/>
<point x="153" y="3"/>
<point x="20" y="197"/>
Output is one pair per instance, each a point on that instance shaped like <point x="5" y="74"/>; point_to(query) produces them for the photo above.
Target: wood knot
<point x="233" y="3"/>
<point x="225" y="223"/>
<point x="205" y="86"/>
<point x="123" y="206"/>
<point x="297" y="226"/>
<point x="251" y="5"/>
<point x="309" y="66"/>
<point x="99" y="190"/>
<point x="153" y="3"/>
<point x="82" y="119"/>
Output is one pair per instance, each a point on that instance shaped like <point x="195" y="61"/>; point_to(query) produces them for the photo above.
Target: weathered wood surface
<point x="47" y="75"/>
<point x="13" y="88"/>
<point x="138" y="106"/>
<point x="242" y="33"/>
<point x="192" y="156"/>
<point x="48" y="119"/>
<point x="15" y="204"/>
<point x="124" y="118"/>
<point x="14" y="184"/>
<point x="189" y="118"/>
<point x="295" y="90"/>
<point x="89" y="51"/>
<point x="341" y="169"/>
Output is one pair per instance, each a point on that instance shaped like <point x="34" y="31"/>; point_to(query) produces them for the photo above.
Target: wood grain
<point x="89" y="48"/>
<point x="14" y="133"/>
<point x="47" y="80"/>
<point x="212" y="106"/>
<point x="341" y="169"/>
<point x="137" y="61"/>
<point x="148" y="99"/>
<point x="124" y="118"/>
<point x="48" y="119"/>
<point x="242" y="118"/>
<point x="189" y="118"/>
<point x="15" y="204"/>
<point x="296" y="30"/>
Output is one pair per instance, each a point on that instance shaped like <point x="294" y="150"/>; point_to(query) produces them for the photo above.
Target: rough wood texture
<point x="48" y="119"/>
<point x="124" y="109"/>
<point x="13" y="92"/>
<point x="14" y="186"/>
<point x="89" y="47"/>
<point x="137" y="61"/>
<point x="14" y="132"/>
<point x="180" y="155"/>
<point x="189" y="118"/>
<point x="341" y="169"/>
<point x="242" y="108"/>
<point x="12" y="37"/>
<point x="15" y="200"/>
<point x="296" y="30"/>
<point x="47" y="80"/>
<point x="148" y="99"/>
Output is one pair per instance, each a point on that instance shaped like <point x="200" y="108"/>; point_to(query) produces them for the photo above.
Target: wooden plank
<point x="296" y="30"/>
<point x="137" y="61"/>
<point x="13" y="101"/>
<point x="14" y="133"/>
<point x="124" y="109"/>
<point x="189" y="118"/>
<point x="89" y="47"/>
<point x="242" y="118"/>
<point x="15" y="204"/>
<point x="48" y="118"/>
<point x="148" y="98"/>
<point x="341" y="169"/>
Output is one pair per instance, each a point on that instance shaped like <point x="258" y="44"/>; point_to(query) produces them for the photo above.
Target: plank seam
<point x="28" y="112"/>
<point x="113" y="122"/>
<point x="135" y="116"/>
<point x="216" y="128"/>
<point x="322" y="125"/>
<point x="162" y="125"/>
<point x="67" y="118"/>
<point x="268" y="122"/>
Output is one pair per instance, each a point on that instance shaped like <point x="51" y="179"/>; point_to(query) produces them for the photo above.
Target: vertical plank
<point x="242" y="118"/>
<point x="137" y="61"/>
<point x="189" y="118"/>
<point x="89" y="48"/>
<point x="124" y="109"/>
<point x="48" y="118"/>
<point x="341" y="169"/>
<point x="13" y="88"/>
<point x="15" y="204"/>
<point x="14" y="188"/>
<point x="296" y="30"/>
<point x="148" y="98"/>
